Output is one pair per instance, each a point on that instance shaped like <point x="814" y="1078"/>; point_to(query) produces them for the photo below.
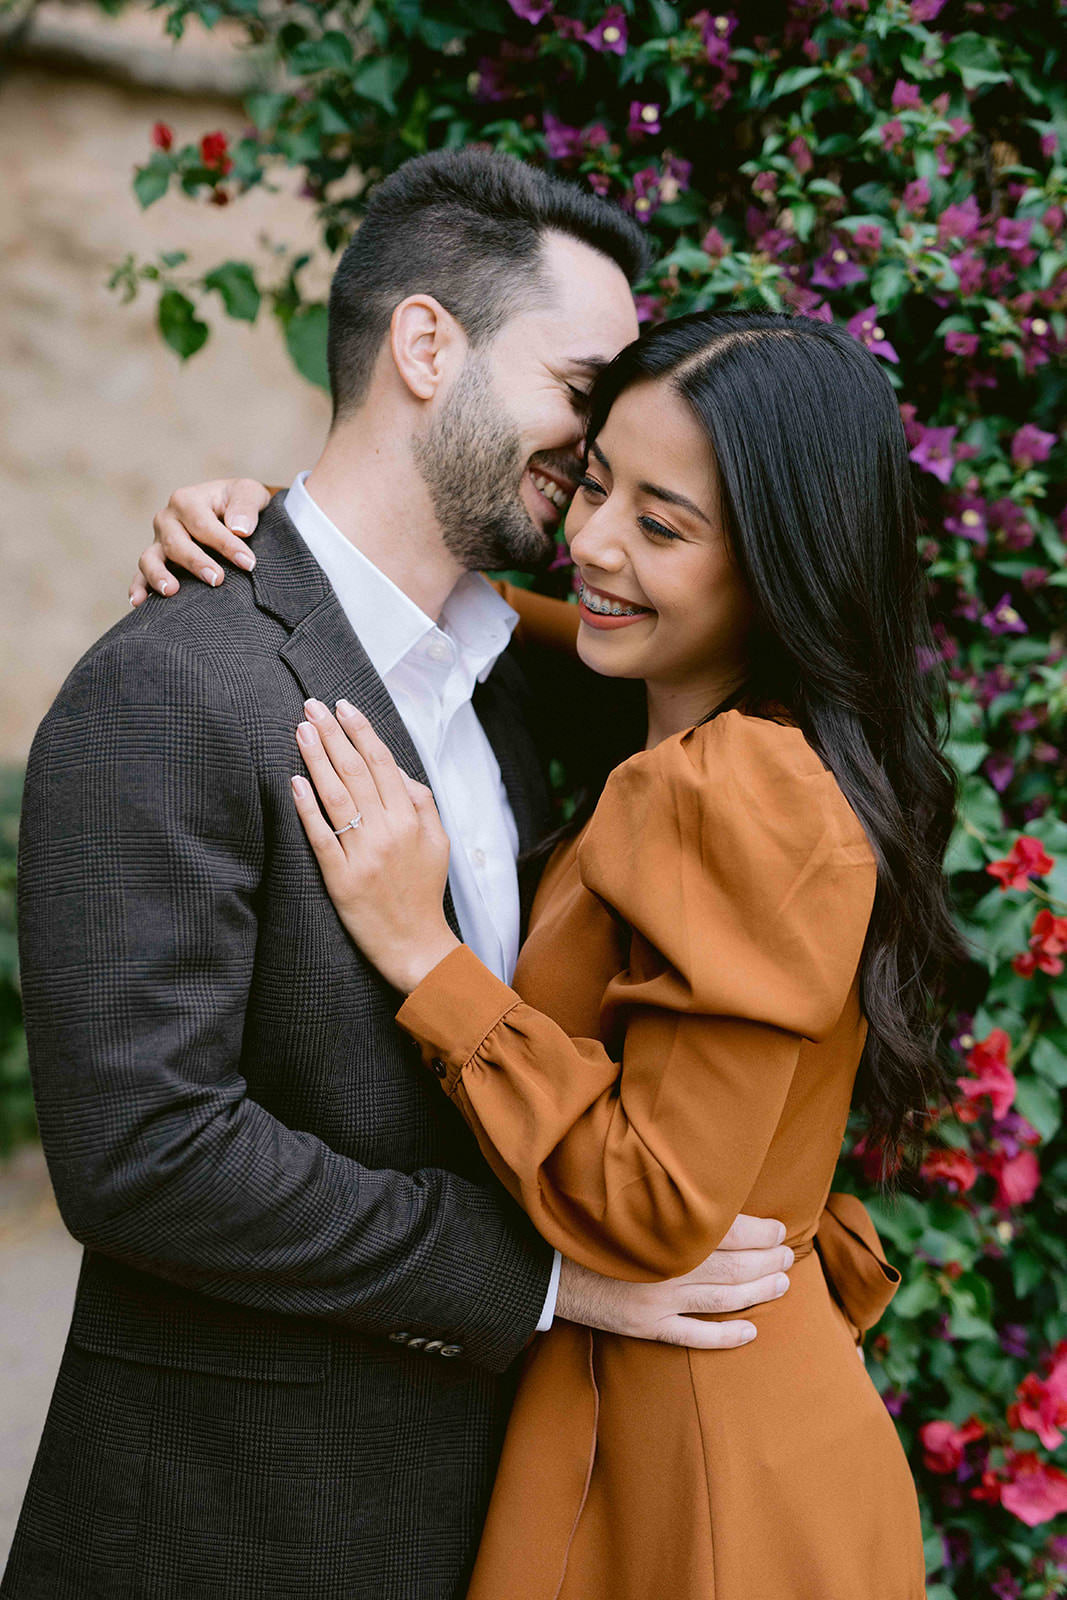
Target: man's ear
<point x="424" y="340"/>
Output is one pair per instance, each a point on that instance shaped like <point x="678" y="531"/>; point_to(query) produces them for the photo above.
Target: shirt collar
<point x="388" y="624"/>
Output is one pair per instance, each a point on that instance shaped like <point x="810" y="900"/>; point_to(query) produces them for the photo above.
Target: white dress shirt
<point x="430" y="670"/>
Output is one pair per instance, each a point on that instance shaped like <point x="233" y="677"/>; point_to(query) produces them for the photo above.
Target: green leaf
<point x="236" y="283"/>
<point x="920" y="1295"/>
<point x="1039" y="1103"/>
<point x="1049" y="1061"/>
<point x="305" y="338"/>
<point x="975" y="58"/>
<point x="179" y="324"/>
<point x="889" y="285"/>
<point x="331" y="53"/>
<point x="151" y="183"/>
<point x="379" y="80"/>
<point x="795" y="78"/>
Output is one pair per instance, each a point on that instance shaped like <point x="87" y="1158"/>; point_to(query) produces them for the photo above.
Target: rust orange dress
<point x="680" y="1044"/>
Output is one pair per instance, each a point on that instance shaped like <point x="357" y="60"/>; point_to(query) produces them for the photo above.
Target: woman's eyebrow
<point x="668" y="496"/>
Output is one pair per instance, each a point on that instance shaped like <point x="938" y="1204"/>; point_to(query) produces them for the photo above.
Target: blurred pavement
<point x="38" y="1270"/>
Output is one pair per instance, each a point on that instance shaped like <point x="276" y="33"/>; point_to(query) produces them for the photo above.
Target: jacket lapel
<point x="322" y="651"/>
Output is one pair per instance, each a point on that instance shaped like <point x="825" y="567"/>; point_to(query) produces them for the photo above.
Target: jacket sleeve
<point x="747" y="885"/>
<point x="141" y="851"/>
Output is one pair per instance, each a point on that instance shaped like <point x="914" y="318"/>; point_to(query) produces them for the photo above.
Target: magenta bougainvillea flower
<point x="865" y="327"/>
<point x="1048" y="944"/>
<point x="892" y="134"/>
<point x="532" y="11"/>
<point x="1003" y="617"/>
<point x="991" y="1074"/>
<point x="611" y="33"/>
<point x="644" y="118"/>
<point x="1036" y="1491"/>
<point x="906" y="96"/>
<point x="716" y="33"/>
<point x="934" y="452"/>
<point x="836" y="269"/>
<point x="943" y="1443"/>
<point x="868" y="236"/>
<point x="1013" y="233"/>
<point x="1031" y="445"/>
<point x="953" y="1168"/>
<point x="917" y="195"/>
<point x="960" y="343"/>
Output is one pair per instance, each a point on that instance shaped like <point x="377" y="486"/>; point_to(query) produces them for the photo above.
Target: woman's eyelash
<point x="591" y="484"/>
<point x="650" y="525"/>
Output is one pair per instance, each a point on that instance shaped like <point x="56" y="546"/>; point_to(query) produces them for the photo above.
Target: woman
<point x="750" y="922"/>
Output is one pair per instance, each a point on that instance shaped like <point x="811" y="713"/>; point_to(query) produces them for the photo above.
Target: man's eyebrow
<point x="590" y="364"/>
<point x="668" y="496"/>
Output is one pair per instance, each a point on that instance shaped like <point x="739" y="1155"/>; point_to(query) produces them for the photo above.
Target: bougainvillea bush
<point x="900" y="168"/>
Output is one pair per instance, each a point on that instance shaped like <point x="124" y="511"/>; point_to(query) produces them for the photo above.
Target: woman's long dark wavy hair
<point x="817" y="504"/>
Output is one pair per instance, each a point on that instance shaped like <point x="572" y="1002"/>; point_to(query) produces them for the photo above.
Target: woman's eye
<point x="591" y="486"/>
<point x="656" y="529"/>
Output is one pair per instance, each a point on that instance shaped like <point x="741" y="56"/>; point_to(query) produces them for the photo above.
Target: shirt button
<point x="439" y="650"/>
<point x="478" y="857"/>
<point x="440" y="1067"/>
<point x="451" y="1349"/>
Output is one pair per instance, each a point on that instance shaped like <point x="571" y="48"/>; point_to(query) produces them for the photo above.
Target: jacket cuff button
<point x="451" y="1349"/>
<point x="398" y="1338"/>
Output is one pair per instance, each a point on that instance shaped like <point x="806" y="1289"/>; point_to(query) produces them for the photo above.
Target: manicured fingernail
<point x="301" y="786"/>
<point x="238" y="524"/>
<point x="209" y="575"/>
<point x="244" y="558"/>
<point x="790" y="1256"/>
<point x="164" y="587"/>
<point x="345" y="708"/>
<point x="306" y="733"/>
<point x="781" y="1284"/>
<point x="781" y="1232"/>
<point x="748" y="1335"/>
<point x="315" y="710"/>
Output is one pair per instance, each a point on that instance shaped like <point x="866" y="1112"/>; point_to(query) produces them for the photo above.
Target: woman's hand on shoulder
<point x="217" y="516"/>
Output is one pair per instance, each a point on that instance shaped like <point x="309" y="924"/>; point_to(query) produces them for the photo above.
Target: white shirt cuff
<point x="549" y="1309"/>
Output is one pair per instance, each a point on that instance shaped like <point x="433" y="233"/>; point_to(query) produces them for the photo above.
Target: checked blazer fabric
<point x="273" y="1196"/>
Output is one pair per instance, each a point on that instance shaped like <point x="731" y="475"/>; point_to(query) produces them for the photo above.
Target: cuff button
<point x="451" y="1349"/>
<point x="440" y="1067"/>
<point x="398" y="1338"/>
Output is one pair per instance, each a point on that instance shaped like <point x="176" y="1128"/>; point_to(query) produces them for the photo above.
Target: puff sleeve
<point x="746" y="883"/>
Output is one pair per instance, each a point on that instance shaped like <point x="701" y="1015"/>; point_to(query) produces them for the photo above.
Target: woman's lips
<point x="603" y="620"/>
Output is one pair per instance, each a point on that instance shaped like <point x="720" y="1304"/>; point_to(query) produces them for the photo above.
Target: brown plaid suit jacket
<point x="270" y="1193"/>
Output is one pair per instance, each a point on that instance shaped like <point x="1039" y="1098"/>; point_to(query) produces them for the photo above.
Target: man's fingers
<point x="245" y="499"/>
<point x="741" y="1266"/>
<point x="705" y="1335"/>
<point x="721" y="1298"/>
<point x="753" y="1233"/>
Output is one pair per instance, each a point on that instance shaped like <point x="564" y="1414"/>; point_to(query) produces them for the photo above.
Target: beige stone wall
<point x="98" y="420"/>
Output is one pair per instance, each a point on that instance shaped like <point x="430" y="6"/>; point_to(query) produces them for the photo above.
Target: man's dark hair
<point x="468" y="227"/>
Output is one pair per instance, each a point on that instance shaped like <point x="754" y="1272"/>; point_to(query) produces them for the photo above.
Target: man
<point x="302" y="1292"/>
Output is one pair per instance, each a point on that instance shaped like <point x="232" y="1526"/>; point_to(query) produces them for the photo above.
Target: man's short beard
<point x="471" y="462"/>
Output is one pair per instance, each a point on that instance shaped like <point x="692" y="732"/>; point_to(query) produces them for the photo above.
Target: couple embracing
<point x="414" y="1249"/>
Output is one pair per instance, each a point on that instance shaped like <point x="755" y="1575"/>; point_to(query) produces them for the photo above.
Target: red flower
<point x="952" y="1167"/>
<point x="213" y="153"/>
<point x="990" y="1489"/>
<point x="944" y="1444"/>
<point x="1017" y="1178"/>
<point x="1026" y="859"/>
<point x="1048" y="941"/>
<point x="1041" y="1408"/>
<point x="162" y="136"/>
<point x="1036" y="1492"/>
<point x="989" y="1062"/>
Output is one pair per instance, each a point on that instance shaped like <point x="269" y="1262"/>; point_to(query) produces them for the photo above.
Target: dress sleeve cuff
<point x="451" y="1012"/>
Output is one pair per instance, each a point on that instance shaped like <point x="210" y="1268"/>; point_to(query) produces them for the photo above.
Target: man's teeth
<point x="607" y="608"/>
<point x="551" y="491"/>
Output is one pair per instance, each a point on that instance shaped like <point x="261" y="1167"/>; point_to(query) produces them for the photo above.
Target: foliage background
<point x="899" y="167"/>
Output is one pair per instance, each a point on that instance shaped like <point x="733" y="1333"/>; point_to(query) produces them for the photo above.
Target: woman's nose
<point x="597" y="543"/>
